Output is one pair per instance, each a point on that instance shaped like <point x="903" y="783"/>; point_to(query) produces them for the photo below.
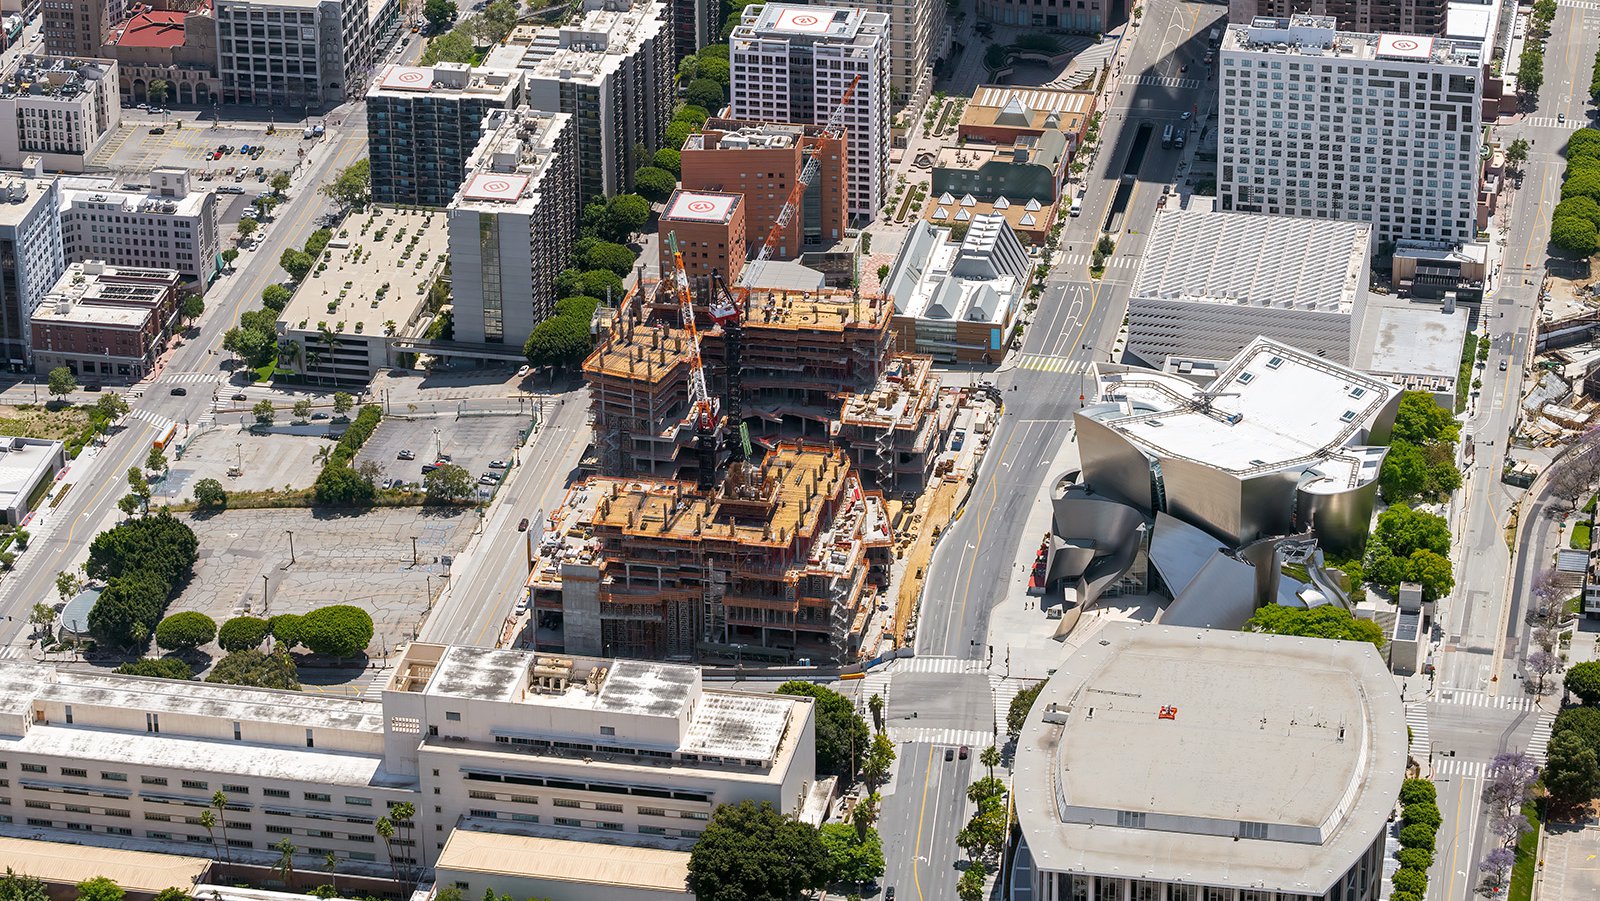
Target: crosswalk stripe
<point x="1417" y="723"/>
<point x="1573" y="123"/>
<point x="1450" y="766"/>
<point x="1167" y="81"/>
<point x="949" y="737"/>
<point x="155" y="419"/>
<point x="1580" y="4"/>
<point x="189" y="378"/>
<point x="1540" y="742"/>
<point x="1480" y="699"/>
<point x="1047" y="363"/>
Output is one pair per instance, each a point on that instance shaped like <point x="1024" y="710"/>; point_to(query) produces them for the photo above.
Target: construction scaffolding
<point x="774" y="566"/>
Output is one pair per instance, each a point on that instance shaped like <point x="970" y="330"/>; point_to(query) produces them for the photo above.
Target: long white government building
<point x="626" y="752"/>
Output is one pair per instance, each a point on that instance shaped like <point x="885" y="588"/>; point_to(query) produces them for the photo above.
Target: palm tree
<point x="323" y="454"/>
<point x="875" y="704"/>
<point x="331" y="865"/>
<point x="990" y="758"/>
<point x="220" y="802"/>
<point x="401" y="814"/>
<point x="285" y="867"/>
<point x="385" y="830"/>
<point x="209" y="821"/>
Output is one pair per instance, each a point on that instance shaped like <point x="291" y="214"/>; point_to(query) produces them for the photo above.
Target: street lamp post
<point x="413" y="550"/>
<point x="291" y="545"/>
<point x="266" y="596"/>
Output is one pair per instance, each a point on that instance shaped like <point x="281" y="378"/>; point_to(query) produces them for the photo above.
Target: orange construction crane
<point x="727" y="306"/>
<point x="702" y="406"/>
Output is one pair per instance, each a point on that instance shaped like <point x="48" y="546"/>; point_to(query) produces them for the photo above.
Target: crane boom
<point x="702" y="407"/>
<point x="725" y="306"/>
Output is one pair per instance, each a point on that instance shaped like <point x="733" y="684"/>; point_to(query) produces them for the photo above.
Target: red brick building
<point x="763" y="162"/>
<point x="710" y="230"/>
<point x="105" y="321"/>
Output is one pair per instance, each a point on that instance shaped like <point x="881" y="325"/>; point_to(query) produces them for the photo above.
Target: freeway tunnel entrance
<point x="1130" y="174"/>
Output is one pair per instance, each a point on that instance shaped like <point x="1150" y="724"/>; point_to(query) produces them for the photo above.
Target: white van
<point x="1077" y="205"/>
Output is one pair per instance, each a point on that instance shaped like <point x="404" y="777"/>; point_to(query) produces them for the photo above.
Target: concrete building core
<point x="777" y="563"/>
<point x="1185" y="764"/>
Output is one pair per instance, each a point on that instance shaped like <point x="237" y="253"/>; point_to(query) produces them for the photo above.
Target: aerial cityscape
<point x="753" y="450"/>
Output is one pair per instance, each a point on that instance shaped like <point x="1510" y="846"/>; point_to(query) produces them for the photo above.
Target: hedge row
<point x="1419" y="826"/>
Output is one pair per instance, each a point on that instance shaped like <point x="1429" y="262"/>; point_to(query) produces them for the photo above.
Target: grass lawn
<point x="265" y="370"/>
<point x="1580" y="536"/>
<point x="1527" y="854"/>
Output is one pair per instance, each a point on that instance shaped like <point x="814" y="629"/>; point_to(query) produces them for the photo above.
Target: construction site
<point x="744" y="442"/>
<point x="782" y="562"/>
<point x="813" y="366"/>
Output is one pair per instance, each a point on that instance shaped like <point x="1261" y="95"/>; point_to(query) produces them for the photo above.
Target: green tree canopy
<point x="1572" y="771"/>
<point x="439" y="13"/>
<point x="61" y="382"/>
<point x="19" y="887"/>
<point x="296" y="262"/>
<point x="276" y="297"/>
<point x="610" y="256"/>
<point x="1405" y="473"/>
<point x="852" y="858"/>
<point x="705" y="92"/>
<point x="626" y="215"/>
<point x="256" y="669"/>
<point x="669" y="159"/>
<point x="653" y="184"/>
<point x="99" y="889"/>
<point x="156" y="667"/>
<point x="340" y="630"/>
<point x="1583" y="720"/>
<point x="751" y="852"/>
<point x="242" y="633"/>
<point x="1583" y="144"/>
<point x="564" y="339"/>
<point x="285" y="629"/>
<point x="454" y="46"/>
<point x="1574" y="235"/>
<point x="185" y="631"/>
<point x="1403" y="530"/>
<point x="353" y="187"/>
<point x="1584" y="184"/>
<point x="1414" y="790"/>
<point x="447" y="483"/>
<point x="210" y="495"/>
<point x="1582" y="206"/>
<point x="1021" y="704"/>
<point x="678" y="131"/>
<point x="1419" y="419"/>
<point x="343" y="486"/>
<point x="1326" y="621"/>
<point x="1583" y="680"/>
<point x="191" y="307"/>
<point x="842" y="735"/>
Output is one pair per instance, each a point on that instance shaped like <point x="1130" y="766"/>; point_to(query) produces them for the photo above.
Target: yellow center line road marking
<point x="916" y="863"/>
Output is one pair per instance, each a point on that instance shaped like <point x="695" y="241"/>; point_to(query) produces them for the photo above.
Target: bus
<point x="166" y="437"/>
<point x="1166" y="136"/>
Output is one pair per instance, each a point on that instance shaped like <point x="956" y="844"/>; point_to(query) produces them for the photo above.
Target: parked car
<point x="428" y="467"/>
<point x="522" y="605"/>
<point x="965" y="750"/>
<point x="497" y="464"/>
<point x="1502" y="365"/>
<point x="158" y="130"/>
<point x="485" y="480"/>
<point x="406" y="455"/>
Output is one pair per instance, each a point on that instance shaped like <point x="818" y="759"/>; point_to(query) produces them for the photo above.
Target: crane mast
<point x="727" y="305"/>
<point x="702" y="407"/>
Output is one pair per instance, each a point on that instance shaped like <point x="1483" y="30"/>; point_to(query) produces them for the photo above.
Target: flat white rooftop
<point x="187" y="752"/>
<point x="22" y="683"/>
<point x="473" y="849"/>
<point x="1271" y="407"/>
<point x="1211" y="758"/>
<point x="1251" y="259"/>
<point x="23" y="462"/>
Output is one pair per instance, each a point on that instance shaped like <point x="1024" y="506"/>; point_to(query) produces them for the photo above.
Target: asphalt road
<point x="1076" y="323"/>
<point x="487" y="579"/>
<point x="62" y="535"/>
<point x="1485" y="637"/>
